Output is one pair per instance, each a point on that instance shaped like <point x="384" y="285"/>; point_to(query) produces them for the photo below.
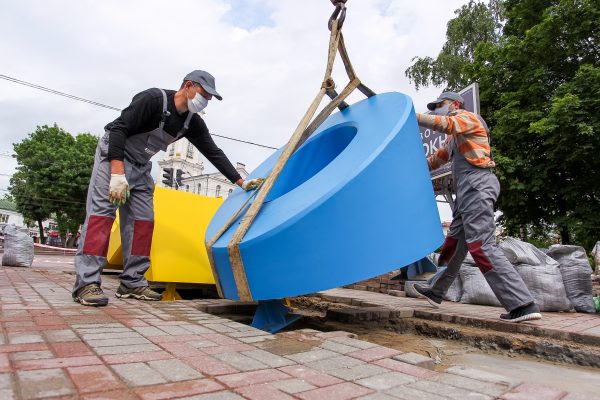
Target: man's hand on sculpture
<point x="252" y="184"/>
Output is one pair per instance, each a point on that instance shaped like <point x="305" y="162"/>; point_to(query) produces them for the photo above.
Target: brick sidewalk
<point x="51" y="347"/>
<point x="576" y="327"/>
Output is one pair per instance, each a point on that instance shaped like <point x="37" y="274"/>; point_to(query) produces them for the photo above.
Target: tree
<point x="475" y="23"/>
<point x="539" y="96"/>
<point x="539" y="92"/>
<point x="53" y="175"/>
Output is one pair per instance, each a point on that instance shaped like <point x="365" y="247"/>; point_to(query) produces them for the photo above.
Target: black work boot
<point x="529" y="312"/>
<point x="139" y="293"/>
<point x="426" y="292"/>
<point x="91" y="295"/>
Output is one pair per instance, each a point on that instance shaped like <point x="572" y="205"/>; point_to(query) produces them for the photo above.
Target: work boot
<point x="529" y="312"/>
<point x="91" y="295"/>
<point x="428" y="294"/>
<point x="140" y="293"/>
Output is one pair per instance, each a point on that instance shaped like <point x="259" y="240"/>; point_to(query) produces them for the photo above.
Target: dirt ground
<point x="448" y="353"/>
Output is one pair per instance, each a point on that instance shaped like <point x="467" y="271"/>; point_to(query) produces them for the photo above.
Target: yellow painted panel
<point x="114" y="256"/>
<point x="178" y="253"/>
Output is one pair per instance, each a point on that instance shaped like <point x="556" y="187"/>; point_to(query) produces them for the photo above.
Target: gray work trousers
<point x="473" y="229"/>
<point x="136" y="223"/>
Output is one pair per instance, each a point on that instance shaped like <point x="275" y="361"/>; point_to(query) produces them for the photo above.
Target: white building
<point x="183" y="156"/>
<point x="9" y="214"/>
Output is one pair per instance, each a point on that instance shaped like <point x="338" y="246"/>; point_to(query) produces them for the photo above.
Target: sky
<point x="268" y="58"/>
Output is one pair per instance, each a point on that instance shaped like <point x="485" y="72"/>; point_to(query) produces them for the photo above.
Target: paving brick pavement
<point x="51" y="347"/>
<point x="580" y="328"/>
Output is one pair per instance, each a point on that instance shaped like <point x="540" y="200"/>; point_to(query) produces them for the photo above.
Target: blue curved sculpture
<point x="353" y="202"/>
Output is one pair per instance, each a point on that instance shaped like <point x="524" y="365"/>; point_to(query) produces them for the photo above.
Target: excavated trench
<point x="562" y="364"/>
<point x="411" y="332"/>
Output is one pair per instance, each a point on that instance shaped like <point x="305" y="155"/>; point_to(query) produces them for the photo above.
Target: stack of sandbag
<point x="18" y="247"/>
<point x="475" y="289"/>
<point x="540" y="273"/>
<point x="576" y="274"/>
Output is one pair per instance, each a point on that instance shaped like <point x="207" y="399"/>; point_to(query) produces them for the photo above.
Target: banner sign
<point x="433" y="140"/>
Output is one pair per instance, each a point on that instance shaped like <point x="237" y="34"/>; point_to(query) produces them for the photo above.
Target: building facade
<point x="10" y="215"/>
<point x="183" y="156"/>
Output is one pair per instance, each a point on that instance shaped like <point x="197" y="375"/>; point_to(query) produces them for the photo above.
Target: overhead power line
<point x="45" y="89"/>
<point x="95" y="103"/>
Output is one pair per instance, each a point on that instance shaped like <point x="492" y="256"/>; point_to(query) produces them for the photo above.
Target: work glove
<point x="118" y="189"/>
<point x="252" y="184"/>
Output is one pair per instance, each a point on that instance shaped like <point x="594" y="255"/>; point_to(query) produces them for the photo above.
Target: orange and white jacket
<point x="471" y="138"/>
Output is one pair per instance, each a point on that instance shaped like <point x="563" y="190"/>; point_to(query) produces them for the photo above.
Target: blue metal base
<point x="420" y="267"/>
<point x="272" y="316"/>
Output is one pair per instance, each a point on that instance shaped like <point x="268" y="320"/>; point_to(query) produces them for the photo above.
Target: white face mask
<point x="444" y="110"/>
<point x="197" y="104"/>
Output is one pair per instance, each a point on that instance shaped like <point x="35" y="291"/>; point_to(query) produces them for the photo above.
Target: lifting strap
<point x="305" y="128"/>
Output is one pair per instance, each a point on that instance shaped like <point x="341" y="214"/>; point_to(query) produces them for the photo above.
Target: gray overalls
<point x="136" y="216"/>
<point x="473" y="229"/>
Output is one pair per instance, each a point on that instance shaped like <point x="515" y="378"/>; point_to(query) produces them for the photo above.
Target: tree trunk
<point x="565" y="238"/>
<point x="523" y="233"/>
<point x="564" y="230"/>
<point x="39" y="221"/>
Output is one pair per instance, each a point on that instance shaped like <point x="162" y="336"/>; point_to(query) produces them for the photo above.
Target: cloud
<point x="268" y="58"/>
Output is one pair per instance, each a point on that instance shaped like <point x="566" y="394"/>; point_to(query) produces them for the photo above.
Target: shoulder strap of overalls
<point x="165" y="113"/>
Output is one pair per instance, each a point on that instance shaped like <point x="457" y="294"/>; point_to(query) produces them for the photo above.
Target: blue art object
<point x="353" y="202"/>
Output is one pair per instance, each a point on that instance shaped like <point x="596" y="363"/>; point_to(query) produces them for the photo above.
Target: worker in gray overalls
<point x="121" y="179"/>
<point x="473" y="224"/>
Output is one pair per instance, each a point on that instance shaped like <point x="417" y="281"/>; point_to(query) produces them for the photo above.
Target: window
<point x="218" y="191"/>
<point x="187" y="188"/>
<point x="190" y="151"/>
<point x="3" y="218"/>
<point x="199" y="187"/>
<point x="172" y="150"/>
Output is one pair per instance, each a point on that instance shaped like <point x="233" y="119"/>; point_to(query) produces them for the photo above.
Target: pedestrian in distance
<point x="121" y="180"/>
<point x="473" y="224"/>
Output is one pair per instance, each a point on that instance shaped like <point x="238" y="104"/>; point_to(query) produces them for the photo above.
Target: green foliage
<point x="53" y="175"/>
<point x="475" y="23"/>
<point x="540" y="94"/>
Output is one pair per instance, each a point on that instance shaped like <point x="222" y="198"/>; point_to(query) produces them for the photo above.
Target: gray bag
<point x="596" y="254"/>
<point x="540" y="273"/>
<point x="18" y="247"/>
<point x="476" y="290"/>
<point x="576" y="274"/>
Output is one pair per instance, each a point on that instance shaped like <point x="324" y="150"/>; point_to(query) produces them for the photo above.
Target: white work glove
<point x="252" y="184"/>
<point x="118" y="189"/>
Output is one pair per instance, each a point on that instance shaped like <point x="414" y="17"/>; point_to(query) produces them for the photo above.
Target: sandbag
<point x="596" y="255"/>
<point x="540" y="273"/>
<point x="576" y="274"/>
<point x="18" y="247"/>
<point x="546" y="286"/>
<point x="519" y="252"/>
<point x="476" y="290"/>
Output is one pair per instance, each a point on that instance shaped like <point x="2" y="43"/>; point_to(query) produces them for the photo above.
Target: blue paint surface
<point x="355" y="201"/>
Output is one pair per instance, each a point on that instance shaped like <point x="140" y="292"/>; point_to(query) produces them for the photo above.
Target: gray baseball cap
<point x="204" y="79"/>
<point x="445" y="96"/>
